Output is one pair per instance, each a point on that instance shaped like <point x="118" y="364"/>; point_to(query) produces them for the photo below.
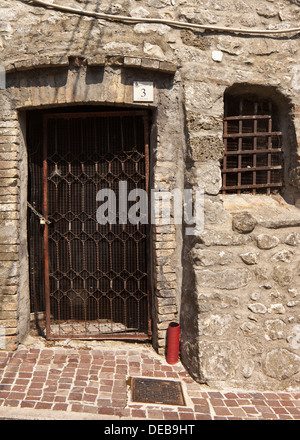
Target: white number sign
<point x="143" y="91"/>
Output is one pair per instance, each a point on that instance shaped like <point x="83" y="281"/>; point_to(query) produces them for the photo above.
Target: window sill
<point x="269" y="211"/>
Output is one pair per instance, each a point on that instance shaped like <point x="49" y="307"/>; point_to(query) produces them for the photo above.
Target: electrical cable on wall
<point x="173" y="23"/>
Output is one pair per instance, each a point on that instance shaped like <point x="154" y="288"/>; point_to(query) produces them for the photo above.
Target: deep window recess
<point x="253" y="156"/>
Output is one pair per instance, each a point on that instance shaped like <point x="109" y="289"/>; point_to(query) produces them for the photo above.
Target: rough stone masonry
<point x="235" y="286"/>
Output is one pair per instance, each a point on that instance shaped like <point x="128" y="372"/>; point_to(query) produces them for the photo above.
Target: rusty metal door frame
<point x="146" y="122"/>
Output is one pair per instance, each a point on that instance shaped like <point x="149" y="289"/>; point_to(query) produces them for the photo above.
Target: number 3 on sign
<point x="143" y="91"/>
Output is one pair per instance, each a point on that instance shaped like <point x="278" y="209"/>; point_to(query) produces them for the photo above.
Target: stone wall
<point x="244" y="316"/>
<point x="234" y="286"/>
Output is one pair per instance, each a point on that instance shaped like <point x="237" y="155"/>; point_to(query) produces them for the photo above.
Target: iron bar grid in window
<point x="253" y="157"/>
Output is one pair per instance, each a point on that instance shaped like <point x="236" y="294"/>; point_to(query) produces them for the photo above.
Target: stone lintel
<point x="92" y="61"/>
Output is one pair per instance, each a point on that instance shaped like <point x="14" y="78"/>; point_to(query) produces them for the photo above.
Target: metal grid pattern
<point x="158" y="391"/>
<point x="253" y="157"/>
<point x="95" y="276"/>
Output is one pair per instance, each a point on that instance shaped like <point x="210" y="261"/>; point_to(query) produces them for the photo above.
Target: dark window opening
<point x="253" y="156"/>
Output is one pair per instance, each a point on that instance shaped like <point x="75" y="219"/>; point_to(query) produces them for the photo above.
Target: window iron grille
<point x="253" y="155"/>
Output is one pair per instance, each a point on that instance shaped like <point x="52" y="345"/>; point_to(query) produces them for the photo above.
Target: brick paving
<point x="95" y="381"/>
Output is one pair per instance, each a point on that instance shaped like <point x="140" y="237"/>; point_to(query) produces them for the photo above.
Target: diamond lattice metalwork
<point x="90" y="268"/>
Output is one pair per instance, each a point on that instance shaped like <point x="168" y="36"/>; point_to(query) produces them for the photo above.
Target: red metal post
<point x="173" y="343"/>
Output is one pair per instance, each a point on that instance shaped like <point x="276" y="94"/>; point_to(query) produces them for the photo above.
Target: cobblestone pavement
<point x="93" y="382"/>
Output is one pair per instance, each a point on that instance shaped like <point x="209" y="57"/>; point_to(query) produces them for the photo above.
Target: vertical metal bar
<point x="123" y="226"/>
<point x="254" y="147"/>
<point x="83" y="209"/>
<point x="225" y="156"/>
<point x="225" y="129"/>
<point x="148" y="238"/>
<point x="45" y="213"/>
<point x="240" y="143"/>
<point x="269" y="148"/>
<point x="68" y="123"/>
<point x="110" y="226"/>
<point x="108" y="133"/>
<point x="96" y="182"/>
<point x="134" y="132"/>
<point x="122" y="132"/>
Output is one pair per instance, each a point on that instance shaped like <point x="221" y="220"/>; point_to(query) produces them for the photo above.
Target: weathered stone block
<point x="8" y="290"/>
<point x="165" y="245"/>
<point x="219" y="360"/>
<point x="293" y="239"/>
<point x="214" y="212"/>
<point x="285" y="256"/>
<point x="166" y="293"/>
<point x="167" y="317"/>
<point x="9" y="269"/>
<point x="274" y="329"/>
<point x="266" y="241"/>
<point x="7" y="182"/>
<point x="250" y="328"/>
<point x="249" y="258"/>
<point x="163" y="325"/>
<point x="261" y="274"/>
<point x="277" y="309"/>
<point x="166" y="285"/>
<point x="9" y="303"/>
<point x="206" y="257"/>
<point x="10" y="331"/>
<point x="132" y="62"/>
<point x="282" y="275"/>
<point x="8" y="256"/>
<point x="150" y="64"/>
<point x="281" y="364"/>
<point x="258" y="308"/>
<point x="255" y="296"/>
<point x="243" y="223"/>
<point x="217" y="238"/>
<point x="208" y="177"/>
<point x="218" y="300"/>
<point x="168" y="277"/>
<point x="197" y="122"/>
<point x="165" y="310"/>
<point x="206" y="148"/>
<point x="248" y="368"/>
<point x="214" y="325"/>
<point x="116" y="60"/>
<point x="11" y="342"/>
<point x="166" y="301"/>
<point x="293" y="303"/>
<point x="10" y="324"/>
<point x="7" y="314"/>
<point x="167" y="67"/>
<point x="229" y="279"/>
<point x="96" y="60"/>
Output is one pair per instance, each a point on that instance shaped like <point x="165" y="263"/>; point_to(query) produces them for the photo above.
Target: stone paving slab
<point x="62" y="382"/>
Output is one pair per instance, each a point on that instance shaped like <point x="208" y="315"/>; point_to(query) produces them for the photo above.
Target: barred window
<point x="253" y="156"/>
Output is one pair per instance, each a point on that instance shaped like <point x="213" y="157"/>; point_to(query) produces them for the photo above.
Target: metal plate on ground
<point x="166" y="392"/>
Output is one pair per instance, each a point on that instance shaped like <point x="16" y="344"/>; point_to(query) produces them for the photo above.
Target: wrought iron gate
<point x="95" y="275"/>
